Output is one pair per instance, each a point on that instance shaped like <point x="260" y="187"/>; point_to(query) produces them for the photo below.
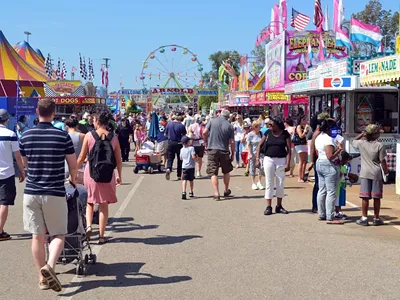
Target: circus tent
<point x="30" y="56"/>
<point x="37" y="50"/>
<point x="13" y="67"/>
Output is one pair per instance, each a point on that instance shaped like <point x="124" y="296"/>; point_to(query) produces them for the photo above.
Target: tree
<point x="385" y="19"/>
<point x="205" y="101"/>
<point x="216" y="60"/>
<point x="259" y="53"/>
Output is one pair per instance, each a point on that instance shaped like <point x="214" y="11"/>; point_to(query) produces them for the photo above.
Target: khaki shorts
<point x="45" y="214"/>
<point x="162" y="147"/>
<point x="218" y="159"/>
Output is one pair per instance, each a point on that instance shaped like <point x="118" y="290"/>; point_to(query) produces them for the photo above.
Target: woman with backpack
<point x="99" y="179"/>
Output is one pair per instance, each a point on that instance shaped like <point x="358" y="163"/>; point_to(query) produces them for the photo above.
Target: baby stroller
<point x="147" y="159"/>
<point x="76" y="242"/>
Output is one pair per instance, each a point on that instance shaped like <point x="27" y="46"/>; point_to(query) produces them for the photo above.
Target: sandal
<point x="51" y="278"/>
<point x="102" y="241"/>
<point x="217" y="198"/>
<point x="89" y="232"/>
<point x="43" y="285"/>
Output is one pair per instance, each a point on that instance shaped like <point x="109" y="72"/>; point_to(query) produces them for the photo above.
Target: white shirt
<point x="8" y="145"/>
<point x="321" y="142"/>
<point x="238" y="132"/>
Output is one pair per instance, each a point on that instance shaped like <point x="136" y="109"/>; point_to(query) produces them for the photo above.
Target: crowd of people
<point x="54" y="152"/>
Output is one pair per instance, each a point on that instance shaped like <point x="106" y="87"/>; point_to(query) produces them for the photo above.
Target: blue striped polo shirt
<point x="45" y="148"/>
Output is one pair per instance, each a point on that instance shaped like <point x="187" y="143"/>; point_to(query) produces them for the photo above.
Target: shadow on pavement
<point x="158" y="240"/>
<point x="21" y="236"/>
<point x="125" y="275"/>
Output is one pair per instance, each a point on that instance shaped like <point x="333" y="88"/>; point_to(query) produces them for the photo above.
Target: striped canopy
<point x="30" y="56"/>
<point x="13" y="67"/>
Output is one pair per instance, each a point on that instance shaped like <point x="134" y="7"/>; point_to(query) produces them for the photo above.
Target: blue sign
<point x="26" y="106"/>
<point x="133" y="92"/>
<point x="207" y="93"/>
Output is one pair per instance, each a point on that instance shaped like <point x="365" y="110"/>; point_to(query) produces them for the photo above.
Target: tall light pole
<point x="106" y="61"/>
<point x="27" y="36"/>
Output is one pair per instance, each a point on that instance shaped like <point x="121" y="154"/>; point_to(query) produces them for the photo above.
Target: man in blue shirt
<point x="175" y="130"/>
<point x="57" y="123"/>
<point x="162" y="140"/>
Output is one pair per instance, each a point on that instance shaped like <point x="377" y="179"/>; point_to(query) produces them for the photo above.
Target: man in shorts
<point x="219" y="135"/>
<point x="162" y="140"/>
<point x="373" y="163"/>
<point x="44" y="150"/>
<point x="8" y="147"/>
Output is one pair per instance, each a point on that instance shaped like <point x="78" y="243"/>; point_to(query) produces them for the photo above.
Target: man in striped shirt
<point x="44" y="150"/>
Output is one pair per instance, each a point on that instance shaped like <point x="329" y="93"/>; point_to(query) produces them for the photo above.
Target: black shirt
<point x="175" y="131"/>
<point x="276" y="145"/>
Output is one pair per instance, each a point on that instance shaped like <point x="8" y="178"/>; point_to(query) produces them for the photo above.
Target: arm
<point x="301" y="133"/>
<point x="330" y="153"/>
<point x="360" y="136"/>
<point x="233" y="148"/>
<point x="84" y="151"/>
<point x="263" y="139"/>
<point x="118" y="158"/>
<point x="249" y="150"/>
<point x="289" y="155"/>
<point x="72" y="167"/>
<point x="20" y="164"/>
<point x="385" y="167"/>
<point x="313" y="151"/>
<point x="382" y="158"/>
<point x="206" y="132"/>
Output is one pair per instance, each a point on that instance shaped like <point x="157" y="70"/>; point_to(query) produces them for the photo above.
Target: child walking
<point x="188" y="157"/>
<point x="341" y="194"/>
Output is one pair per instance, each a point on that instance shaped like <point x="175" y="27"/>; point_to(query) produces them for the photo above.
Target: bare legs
<point x="39" y="254"/>
<point x="3" y="216"/>
<point x="365" y="206"/>
<point x="103" y="218"/>
<point x="199" y="164"/>
<point x="184" y="186"/>
<point x="214" y="181"/>
<point x="303" y="156"/>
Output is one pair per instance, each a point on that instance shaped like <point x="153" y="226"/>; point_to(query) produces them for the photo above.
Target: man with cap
<point x="8" y="147"/>
<point x="84" y="120"/>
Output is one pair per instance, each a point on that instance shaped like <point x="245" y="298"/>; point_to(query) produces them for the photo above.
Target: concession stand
<point x="378" y="73"/>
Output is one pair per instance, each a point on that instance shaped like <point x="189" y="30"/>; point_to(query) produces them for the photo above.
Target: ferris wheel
<point x="171" y="67"/>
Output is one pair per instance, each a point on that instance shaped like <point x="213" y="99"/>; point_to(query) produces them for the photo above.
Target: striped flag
<point x="318" y="15"/>
<point x="299" y="21"/>
<point x="80" y="65"/>
<point x="58" y="71"/>
<point x="84" y="72"/>
<point x="48" y="65"/>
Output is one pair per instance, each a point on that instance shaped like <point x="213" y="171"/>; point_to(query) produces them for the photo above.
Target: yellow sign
<point x="380" y="70"/>
<point x="277" y="96"/>
<point x="398" y="44"/>
<point x="64" y="86"/>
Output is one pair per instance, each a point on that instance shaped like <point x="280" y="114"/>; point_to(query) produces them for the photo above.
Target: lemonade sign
<point x="380" y="70"/>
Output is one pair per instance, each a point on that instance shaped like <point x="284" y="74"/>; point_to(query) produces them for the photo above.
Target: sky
<point x="127" y="31"/>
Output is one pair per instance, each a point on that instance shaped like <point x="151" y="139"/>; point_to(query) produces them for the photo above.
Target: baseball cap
<point x="185" y="139"/>
<point x="4" y="116"/>
<point x="85" y="115"/>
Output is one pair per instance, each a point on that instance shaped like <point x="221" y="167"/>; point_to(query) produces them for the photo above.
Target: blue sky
<point x="126" y="31"/>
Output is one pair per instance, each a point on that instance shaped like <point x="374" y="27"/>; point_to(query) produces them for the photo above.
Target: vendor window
<point x="379" y="108"/>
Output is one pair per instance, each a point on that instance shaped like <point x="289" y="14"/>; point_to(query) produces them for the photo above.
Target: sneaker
<point x="168" y="174"/>
<point x="378" y="222"/>
<point x="227" y="193"/>
<point x="268" y="211"/>
<point x="280" y="210"/>
<point x="362" y="222"/>
<point x="340" y="216"/>
<point x="254" y="187"/>
<point x="191" y="194"/>
<point x="198" y="175"/>
<point x="183" y="196"/>
<point x="246" y="174"/>
<point x="260" y="186"/>
<point x="4" y="236"/>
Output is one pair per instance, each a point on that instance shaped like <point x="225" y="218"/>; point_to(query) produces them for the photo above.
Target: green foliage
<point x="385" y="19"/>
<point x="205" y="101"/>
<point x="259" y="53"/>
<point x="176" y="99"/>
<point x="216" y="60"/>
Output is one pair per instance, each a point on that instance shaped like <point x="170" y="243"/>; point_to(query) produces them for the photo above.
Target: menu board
<point x="363" y="114"/>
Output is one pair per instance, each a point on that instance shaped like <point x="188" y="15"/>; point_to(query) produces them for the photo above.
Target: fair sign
<point x="302" y="86"/>
<point x="380" y="70"/>
<point x="329" y="68"/>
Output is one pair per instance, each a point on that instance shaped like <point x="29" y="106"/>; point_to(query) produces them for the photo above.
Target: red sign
<point x="74" y="100"/>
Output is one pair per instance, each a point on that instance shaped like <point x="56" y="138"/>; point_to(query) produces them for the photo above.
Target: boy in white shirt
<point x="188" y="157"/>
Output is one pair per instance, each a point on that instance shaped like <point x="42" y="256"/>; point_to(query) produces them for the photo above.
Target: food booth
<point x="378" y="73"/>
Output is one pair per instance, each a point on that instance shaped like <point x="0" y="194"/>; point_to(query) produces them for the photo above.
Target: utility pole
<point x="106" y="60"/>
<point x="27" y="35"/>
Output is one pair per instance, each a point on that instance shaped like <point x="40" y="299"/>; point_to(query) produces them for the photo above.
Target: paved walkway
<point x="166" y="248"/>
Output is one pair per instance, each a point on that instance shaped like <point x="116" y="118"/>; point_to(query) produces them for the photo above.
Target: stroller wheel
<point x="79" y="269"/>
<point x="150" y="170"/>
<point x="86" y="259"/>
<point x="160" y="168"/>
<point x="136" y="170"/>
<point x="93" y="258"/>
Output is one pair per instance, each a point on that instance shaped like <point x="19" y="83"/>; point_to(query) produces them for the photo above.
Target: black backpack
<point x="101" y="158"/>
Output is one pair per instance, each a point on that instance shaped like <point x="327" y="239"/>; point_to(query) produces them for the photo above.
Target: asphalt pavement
<point x="164" y="248"/>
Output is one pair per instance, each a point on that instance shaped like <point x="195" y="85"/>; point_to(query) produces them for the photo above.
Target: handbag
<point x="296" y="140"/>
<point x="264" y="146"/>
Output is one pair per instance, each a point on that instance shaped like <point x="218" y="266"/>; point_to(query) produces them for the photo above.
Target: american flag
<point x="318" y="15"/>
<point x="63" y="71"/>
<point x="299" y="21"/>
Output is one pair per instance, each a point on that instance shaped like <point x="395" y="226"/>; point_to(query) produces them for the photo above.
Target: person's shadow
<point x="157" y="240"/>
<point x="123" y="275"/>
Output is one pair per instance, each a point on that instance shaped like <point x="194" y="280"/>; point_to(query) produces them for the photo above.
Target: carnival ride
<point x="172" y="67"/>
